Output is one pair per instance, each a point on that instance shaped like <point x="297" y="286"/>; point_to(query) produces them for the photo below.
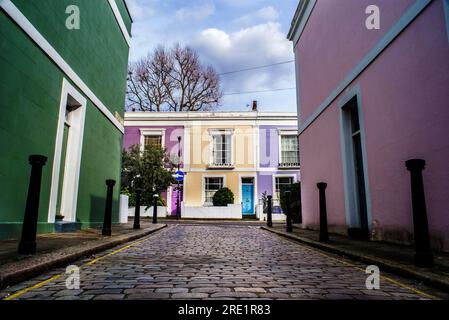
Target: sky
<point x="229" y="35"/>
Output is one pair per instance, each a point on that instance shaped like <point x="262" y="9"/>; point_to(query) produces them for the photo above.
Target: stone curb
<point x="388" y="265"/>
<point x="16" y="272"/>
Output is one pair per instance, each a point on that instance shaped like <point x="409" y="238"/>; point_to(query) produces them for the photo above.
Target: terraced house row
<point x="251" y="153"/>
<point x="62" y="87"/>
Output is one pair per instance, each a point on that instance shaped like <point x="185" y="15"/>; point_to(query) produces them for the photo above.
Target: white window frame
<point x="203" y="186"/>
<point x="212" y="133"/>
<point x="286" y="133"/>
<point x="151" y="132"/>
<point x="287" y="175"/>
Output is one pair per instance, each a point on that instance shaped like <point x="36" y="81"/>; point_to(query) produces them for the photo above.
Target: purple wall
<point x="269" y="158"/>
<point x="132" y="137"/>
<point x="269" y="145"/>
<point x="404" y="99"/>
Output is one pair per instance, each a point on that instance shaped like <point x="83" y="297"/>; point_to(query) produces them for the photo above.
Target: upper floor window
<point x="221" y="148"/>
<point x="154" y="137"/>
<point x="289" y="150"/>
<point x="154" y="140"/>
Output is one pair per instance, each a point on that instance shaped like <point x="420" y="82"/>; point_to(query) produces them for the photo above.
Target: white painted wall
<point x="232" y="211"/>
<point x="161" y="212"/>
<point x="275" y="217"/>
<point x="124" y="199"/>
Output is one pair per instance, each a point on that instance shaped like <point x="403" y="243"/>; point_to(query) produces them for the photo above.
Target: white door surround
<point x="73" y="101"/>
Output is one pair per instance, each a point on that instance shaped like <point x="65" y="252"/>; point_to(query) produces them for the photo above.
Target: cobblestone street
<point x="214" y="262"/>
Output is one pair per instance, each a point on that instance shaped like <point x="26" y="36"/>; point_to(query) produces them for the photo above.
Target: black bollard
<point x="269" y="211"/>
<point x="423" y="254"/>
<point x="27" y="243"/>
<point x="155" y="196"/>
<point x="288" y="199"/>
<point x="137" y="210"/>
<point x="324" y="234"/>
<point x="108" y="209"/>
<point x="178" y="204"/>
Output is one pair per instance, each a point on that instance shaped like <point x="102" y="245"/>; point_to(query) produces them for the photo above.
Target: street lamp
<point x="178" y="196"/>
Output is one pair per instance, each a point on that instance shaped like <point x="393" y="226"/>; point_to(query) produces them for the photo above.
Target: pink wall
<point x="334" y="41"/>
<point x="321" y="162"/>
<point x="405" y="101"/>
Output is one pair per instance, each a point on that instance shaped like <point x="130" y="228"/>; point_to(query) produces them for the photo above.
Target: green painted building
<point x="63" y="68"/>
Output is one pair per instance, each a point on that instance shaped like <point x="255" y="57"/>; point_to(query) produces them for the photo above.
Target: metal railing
<point x="221" y="165"/>
<point x="289" y="165"/>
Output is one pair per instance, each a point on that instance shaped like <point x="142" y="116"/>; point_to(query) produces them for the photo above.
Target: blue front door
<point x="248" y="199"/>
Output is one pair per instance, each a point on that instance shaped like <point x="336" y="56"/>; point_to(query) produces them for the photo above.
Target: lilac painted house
<point x="252" y="153"/>
<point x="373" y="92"/>
<point x="166" y="136"/>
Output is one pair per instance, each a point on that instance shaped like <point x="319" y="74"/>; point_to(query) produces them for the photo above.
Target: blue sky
<point x="229" y="35"/>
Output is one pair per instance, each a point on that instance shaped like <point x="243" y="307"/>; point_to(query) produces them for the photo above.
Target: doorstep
<point x="65" y="226"/>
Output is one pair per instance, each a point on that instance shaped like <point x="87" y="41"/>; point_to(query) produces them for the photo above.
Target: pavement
<point x="398" y="259"/>
<point x="217" y="261"/>
<point x="57" y="249"/>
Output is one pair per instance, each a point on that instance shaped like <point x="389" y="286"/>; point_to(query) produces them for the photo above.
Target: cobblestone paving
<point x="214" y="262"/>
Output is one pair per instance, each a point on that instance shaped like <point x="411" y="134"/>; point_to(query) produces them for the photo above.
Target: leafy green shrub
<point x="147" y="169"/>
<point x="223" y="197"/>
<point x="295" y="201"/>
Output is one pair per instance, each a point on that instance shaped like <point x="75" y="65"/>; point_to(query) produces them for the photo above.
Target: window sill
<point x="289" y="166"/>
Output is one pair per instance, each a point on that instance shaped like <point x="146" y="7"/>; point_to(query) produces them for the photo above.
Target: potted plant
<point x="265" y="202"/>
<point x="223" y="197"/>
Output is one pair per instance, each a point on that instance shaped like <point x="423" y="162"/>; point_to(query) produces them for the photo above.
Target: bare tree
<point x="172" y="80"/>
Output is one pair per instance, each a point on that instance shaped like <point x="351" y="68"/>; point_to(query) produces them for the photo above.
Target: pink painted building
<point x="368" y="101"/>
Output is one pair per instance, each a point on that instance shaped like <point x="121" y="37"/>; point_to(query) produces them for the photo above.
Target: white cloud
<point x="195" y="12"/>
<point x="262" y="15"/>
<point x="253" y="46"/>
<point x="140" y="9"/>
<point x="240" y="3"/>
<point x="240" y="34"/>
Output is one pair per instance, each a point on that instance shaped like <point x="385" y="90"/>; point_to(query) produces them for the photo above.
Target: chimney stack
<point x="255" y="105"/>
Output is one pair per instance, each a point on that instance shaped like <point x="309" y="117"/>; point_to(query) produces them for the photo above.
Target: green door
<point x="62" y="168"/>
